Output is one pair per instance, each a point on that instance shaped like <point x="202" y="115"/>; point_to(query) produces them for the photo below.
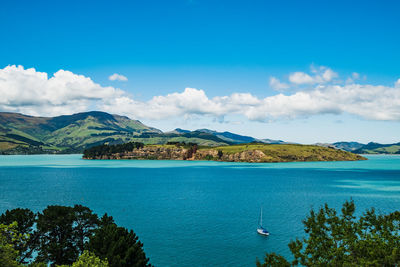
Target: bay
<point x="201" y="213"/>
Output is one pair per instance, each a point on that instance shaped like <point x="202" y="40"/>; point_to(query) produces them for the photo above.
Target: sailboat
<point x="261" y="230"/>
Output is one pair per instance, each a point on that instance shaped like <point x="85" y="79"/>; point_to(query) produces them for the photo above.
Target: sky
<point x="299" y="71"/>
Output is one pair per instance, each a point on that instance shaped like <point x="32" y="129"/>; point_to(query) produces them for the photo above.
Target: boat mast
<point x="261" y="217"/>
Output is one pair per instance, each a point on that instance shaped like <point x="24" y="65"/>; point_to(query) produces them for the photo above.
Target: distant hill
<point x="370" y="148"/>
<point x="229" y="137"/>
<point x="348" y="146"/>
<point x="375" y="148"/>
<point x="22" y="134"/>
<point x="69" y="133"/>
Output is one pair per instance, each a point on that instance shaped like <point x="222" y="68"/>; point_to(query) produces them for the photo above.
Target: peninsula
<point x="251" y="152"/>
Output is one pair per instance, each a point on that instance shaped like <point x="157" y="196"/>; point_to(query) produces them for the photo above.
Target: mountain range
<point x="370" y="148"/>
<point x="23" y="134"/>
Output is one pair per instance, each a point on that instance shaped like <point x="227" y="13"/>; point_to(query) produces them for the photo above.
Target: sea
<point x="201" y="213"/>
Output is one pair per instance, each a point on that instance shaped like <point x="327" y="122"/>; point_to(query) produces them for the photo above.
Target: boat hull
<point x="262" y="232"/>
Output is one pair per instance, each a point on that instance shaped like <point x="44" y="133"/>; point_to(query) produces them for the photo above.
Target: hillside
<point x="22" y="134"/>
<point x="229" y="137"/>
<point x="370" y="148"/>
<point x="232" y="153"/>
<point x="348" y="146"/>
<point x="375" y="148"/>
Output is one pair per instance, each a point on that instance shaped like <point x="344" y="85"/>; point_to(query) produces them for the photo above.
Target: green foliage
<point x="88" y="259"/>
<point x="344" y="240"/>
<point x="106" y="150"/>
<point x="63" y="232"/>
<point x="55" y="226"/>
<point x="60" y="234"/>
<point x="9" y="239"/>
<point x="118" y="245"/>
<point x="273" y="260"/>
<point x="25" y="220"/>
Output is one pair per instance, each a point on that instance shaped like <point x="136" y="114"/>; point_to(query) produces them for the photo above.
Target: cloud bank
<point x="31" y="92"/>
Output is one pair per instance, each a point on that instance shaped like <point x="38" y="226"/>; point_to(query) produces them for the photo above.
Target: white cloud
<point x="321" y="75"/>
<point x="397" y="84"/>
<point x="118" y="77"/>
<point x="301" y="78"/>
<point x="328" y="75"/>
<point x="31" y="92"/>
<point x="275" y="84"/>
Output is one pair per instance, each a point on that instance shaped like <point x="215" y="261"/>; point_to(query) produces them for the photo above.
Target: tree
<point x="118" y="245"/>
<point x="88" y="259"/>
<point x="63" y="232"/>
<point x="9" y="238"/>
<point x="344" y="240"/>
<point x="85" y="222"/>
<point x="220" y="154"/>
<point x="273" y="260"/>
<point x="55" y="227"/>
<point x="25" y="220"/>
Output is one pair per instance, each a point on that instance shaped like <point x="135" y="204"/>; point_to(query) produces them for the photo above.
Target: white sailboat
<point x="261" y="230"/>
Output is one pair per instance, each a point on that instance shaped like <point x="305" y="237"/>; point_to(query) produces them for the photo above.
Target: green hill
<point x="375" y="148"/>
<point x="22" y="134"/>
<point x="370" y="148"/>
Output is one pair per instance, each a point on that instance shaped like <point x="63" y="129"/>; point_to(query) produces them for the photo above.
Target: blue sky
<point x="222" y="48"/>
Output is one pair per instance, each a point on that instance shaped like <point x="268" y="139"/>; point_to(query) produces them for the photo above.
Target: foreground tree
<point x="9" y="239"/>
<point x="87" y="259"/>
<point x="25" y="220"/>
<point x="60" y="234"/>
<point x="117" y="245"/>
<point x="344" y="240"/>
<point x="55" y="228"/>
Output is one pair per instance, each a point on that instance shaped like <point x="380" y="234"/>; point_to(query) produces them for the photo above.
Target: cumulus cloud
<point x="118" y="77"/>
<point x="276" y="84"/>
<point x="321" y="75"/>
<point x="300" y="78"/>
<point x="31" y="92"/>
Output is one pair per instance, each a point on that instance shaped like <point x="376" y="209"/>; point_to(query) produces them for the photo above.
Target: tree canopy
<point x="106" y="150"/>
<point x="65" y="236"/>
<point x="334" y="239"/>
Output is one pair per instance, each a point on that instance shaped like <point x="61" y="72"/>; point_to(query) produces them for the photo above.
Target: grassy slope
<point x="292" y="152"/>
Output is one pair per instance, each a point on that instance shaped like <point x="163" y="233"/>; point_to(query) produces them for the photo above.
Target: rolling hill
<point x="370" y="148"/>
<point x="22" y="134"/>
<point x="375" y="148"/>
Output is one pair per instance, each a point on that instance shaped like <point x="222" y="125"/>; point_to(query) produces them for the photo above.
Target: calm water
<point x="200" y="213"/>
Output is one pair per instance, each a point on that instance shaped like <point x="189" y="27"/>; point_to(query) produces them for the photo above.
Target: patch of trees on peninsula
<point x="65" y="236"/>
<point x="108" y="150"/>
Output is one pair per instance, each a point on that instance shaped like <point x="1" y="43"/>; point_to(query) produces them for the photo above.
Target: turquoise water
<point x="200" y="213"/>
